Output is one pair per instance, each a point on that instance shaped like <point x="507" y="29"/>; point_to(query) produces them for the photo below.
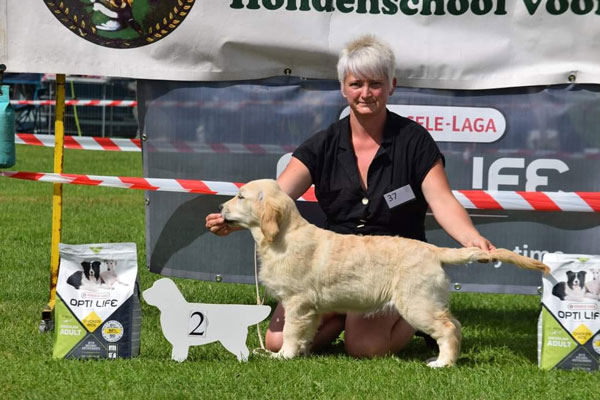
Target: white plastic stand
<point x="193" y="324"/>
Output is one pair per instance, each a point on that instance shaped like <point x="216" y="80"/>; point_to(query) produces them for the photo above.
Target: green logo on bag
<point x="121" y="24"/>
<point x="96" y="250"/>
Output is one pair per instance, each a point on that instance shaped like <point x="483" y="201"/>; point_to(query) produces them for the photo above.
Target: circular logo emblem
<point x="112" y="331"/>
<point x="596" y="343"/>
<point x="121" y="24"/>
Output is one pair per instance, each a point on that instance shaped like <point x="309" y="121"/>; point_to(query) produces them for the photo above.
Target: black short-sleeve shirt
<point x="406" y="155"/>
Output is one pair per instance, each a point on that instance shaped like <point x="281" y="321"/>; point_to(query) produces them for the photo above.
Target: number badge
<point x="399" y="196"/>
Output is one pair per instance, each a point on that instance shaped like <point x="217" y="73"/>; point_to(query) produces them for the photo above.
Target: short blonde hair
<point x="367" y="57"/>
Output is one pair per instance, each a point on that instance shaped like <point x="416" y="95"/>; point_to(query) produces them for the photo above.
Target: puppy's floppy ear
<point x="270" y="217"/>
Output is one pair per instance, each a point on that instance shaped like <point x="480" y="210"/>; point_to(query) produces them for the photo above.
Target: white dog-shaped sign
<point x="191" y="324"/>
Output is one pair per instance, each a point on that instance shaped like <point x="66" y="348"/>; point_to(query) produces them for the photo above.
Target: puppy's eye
<point x="239" y="196"/>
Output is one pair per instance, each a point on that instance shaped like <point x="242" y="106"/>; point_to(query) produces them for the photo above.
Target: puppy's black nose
<point x="220" y="207"/>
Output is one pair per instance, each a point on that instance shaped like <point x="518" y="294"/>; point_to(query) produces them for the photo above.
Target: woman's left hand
<point x="481" y="242"/>
<point x="448" y="212"/>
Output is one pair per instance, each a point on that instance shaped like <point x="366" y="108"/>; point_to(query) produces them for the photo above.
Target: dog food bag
<point x="97" y="312"/>
<point x="569" y="324"/>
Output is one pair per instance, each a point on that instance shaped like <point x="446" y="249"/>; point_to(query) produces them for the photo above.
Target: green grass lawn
<point x="498" y="359"/>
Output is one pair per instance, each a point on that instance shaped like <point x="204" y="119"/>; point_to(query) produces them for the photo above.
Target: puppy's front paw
<point x="435" y="363"/>
<point x="284" y="354"/>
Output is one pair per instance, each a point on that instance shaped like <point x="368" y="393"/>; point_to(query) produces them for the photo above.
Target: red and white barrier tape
<point x="214" y="104"/>
<point x="75" y="102"/>
<point x="110" y="144"/>
<point x="178" y="146"/>
<point x="470" y="199"/>
<point x="168" y="185"/>
<point x="81" y="142"/>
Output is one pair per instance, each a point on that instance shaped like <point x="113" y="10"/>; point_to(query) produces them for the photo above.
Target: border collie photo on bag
<point x="569" y="325"/>
<point x="97" y="312"/>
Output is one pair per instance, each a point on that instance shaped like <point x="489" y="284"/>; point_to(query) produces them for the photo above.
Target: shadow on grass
<point x="495" y="330"/>
<point x="490" y="334"/>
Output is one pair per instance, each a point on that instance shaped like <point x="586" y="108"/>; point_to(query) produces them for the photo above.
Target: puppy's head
<point x="260" y="203"/>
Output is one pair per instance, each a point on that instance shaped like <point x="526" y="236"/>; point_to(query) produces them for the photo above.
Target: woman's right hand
<point x="217" y="225"/>
<point x="294" y="180"/>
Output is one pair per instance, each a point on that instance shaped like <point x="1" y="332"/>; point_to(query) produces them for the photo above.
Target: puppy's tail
<point x="470" y="254"/>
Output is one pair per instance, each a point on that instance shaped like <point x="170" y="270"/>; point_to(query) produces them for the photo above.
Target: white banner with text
<point x="459" y="44"/>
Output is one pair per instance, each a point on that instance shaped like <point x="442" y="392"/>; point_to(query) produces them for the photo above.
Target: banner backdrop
<point x="462" y="44"/>
<point x="536" y="138"/>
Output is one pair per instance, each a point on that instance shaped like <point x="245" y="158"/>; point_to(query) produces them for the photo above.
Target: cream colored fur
<point x="314" y="271"/>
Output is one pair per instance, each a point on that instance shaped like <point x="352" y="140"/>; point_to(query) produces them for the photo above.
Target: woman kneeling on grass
<point x="355" y="165"/>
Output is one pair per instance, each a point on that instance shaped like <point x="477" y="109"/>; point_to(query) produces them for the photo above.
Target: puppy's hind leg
<point x="448" y="342"/>
<point x="441" y="326"/>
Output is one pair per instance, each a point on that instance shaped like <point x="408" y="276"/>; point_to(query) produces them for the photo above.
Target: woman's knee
<point x="274" y="335"/>
<point x="273" y="340"/>
<point x="364" y="341"/>
<point x="366" y="346"/>
<point x="376" y="337"/>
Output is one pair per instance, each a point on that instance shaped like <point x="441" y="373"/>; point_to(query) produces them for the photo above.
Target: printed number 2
<point x="198" y="329"/>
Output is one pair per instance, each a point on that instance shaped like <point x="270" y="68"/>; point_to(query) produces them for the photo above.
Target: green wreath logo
<point x="121" y="24"/>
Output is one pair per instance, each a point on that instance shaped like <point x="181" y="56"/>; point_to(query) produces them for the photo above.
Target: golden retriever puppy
<point x="313" y="271"/>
